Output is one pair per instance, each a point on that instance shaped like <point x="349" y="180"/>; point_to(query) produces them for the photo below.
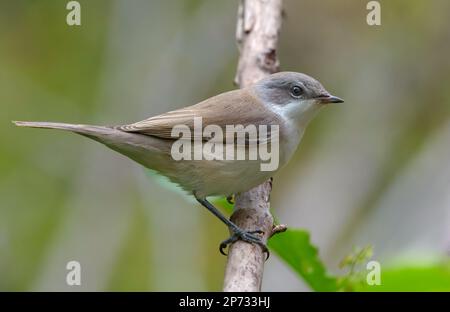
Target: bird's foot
<point x="246" y="236"/>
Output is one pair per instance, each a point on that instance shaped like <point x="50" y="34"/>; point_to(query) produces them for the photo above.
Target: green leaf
<point x="432" y="277"/>
<point x="355" y="263"/>
<point x="295" y="248"/>
<point x="223" y="204"/>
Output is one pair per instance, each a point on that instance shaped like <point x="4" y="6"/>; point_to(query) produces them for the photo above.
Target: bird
<point x="284" y="101"/>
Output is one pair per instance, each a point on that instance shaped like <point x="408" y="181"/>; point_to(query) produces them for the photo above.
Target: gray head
<point x="281" y="88"/>
<point x="294" y="95"/>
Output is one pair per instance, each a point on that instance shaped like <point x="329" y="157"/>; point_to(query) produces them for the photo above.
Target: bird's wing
<point x="239" y="107"/>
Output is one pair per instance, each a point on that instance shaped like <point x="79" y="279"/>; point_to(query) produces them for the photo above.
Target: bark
<point x="258" y="28"/>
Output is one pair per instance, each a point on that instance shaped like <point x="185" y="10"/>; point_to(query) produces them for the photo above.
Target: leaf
<point x="407" y="277"/>
<point x="295" y="248"/>
<point x="223" y="204"/>
<point x="359" y="256"/>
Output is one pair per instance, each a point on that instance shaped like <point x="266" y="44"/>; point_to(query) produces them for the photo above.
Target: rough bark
<point x="258" y="27"/>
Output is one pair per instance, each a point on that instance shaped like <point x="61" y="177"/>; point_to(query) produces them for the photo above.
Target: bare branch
<point x="258" y="27"/>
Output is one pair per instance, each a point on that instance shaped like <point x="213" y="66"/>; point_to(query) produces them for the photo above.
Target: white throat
<point x="296" y="116"/>
<point x="297" y="113"/>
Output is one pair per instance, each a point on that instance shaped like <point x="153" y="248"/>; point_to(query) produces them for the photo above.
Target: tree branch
<point x="258" y="27"/>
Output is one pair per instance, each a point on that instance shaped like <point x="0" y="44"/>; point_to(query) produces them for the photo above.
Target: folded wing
<point x="239" y="107"/>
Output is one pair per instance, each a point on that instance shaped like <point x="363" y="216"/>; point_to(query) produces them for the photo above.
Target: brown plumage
<point x="285" y="100"/>
<point x="245" y="106"/>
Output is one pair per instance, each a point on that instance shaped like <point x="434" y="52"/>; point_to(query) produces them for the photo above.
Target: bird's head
<point x="295" y="96"/>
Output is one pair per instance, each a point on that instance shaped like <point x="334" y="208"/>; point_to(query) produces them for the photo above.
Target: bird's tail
<point x="136" y="146"/>
<point x="109" y="136"/>
<point x="87" y="130"/>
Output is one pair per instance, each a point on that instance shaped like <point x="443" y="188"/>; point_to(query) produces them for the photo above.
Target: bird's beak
<point x="330" y="99"/>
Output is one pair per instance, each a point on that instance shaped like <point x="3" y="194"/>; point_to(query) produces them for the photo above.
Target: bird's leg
<point x="238" y="233"/>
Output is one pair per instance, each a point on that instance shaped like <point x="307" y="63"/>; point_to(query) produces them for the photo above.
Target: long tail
<point x="109" y="136"/>
<point x="136" y="146"/>
<point x="88" y="130"/>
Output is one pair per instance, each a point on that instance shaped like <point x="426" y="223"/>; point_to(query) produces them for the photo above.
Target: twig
<point x="279" y="228"/>
<point x="258" y="27"/>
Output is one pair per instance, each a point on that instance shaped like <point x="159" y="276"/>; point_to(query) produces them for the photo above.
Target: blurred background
<point x="375" y="170"/>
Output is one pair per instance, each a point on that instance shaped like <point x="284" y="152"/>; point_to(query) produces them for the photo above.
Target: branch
<point x="258" y="27"/>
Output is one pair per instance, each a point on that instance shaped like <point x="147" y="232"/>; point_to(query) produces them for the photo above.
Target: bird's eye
<point x="296" y="91"/>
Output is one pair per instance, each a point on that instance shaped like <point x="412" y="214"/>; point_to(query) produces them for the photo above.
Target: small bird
<point x="287" y="100"/>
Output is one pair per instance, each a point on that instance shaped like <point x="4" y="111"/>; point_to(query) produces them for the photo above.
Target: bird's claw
<point x="246" y="236"/>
